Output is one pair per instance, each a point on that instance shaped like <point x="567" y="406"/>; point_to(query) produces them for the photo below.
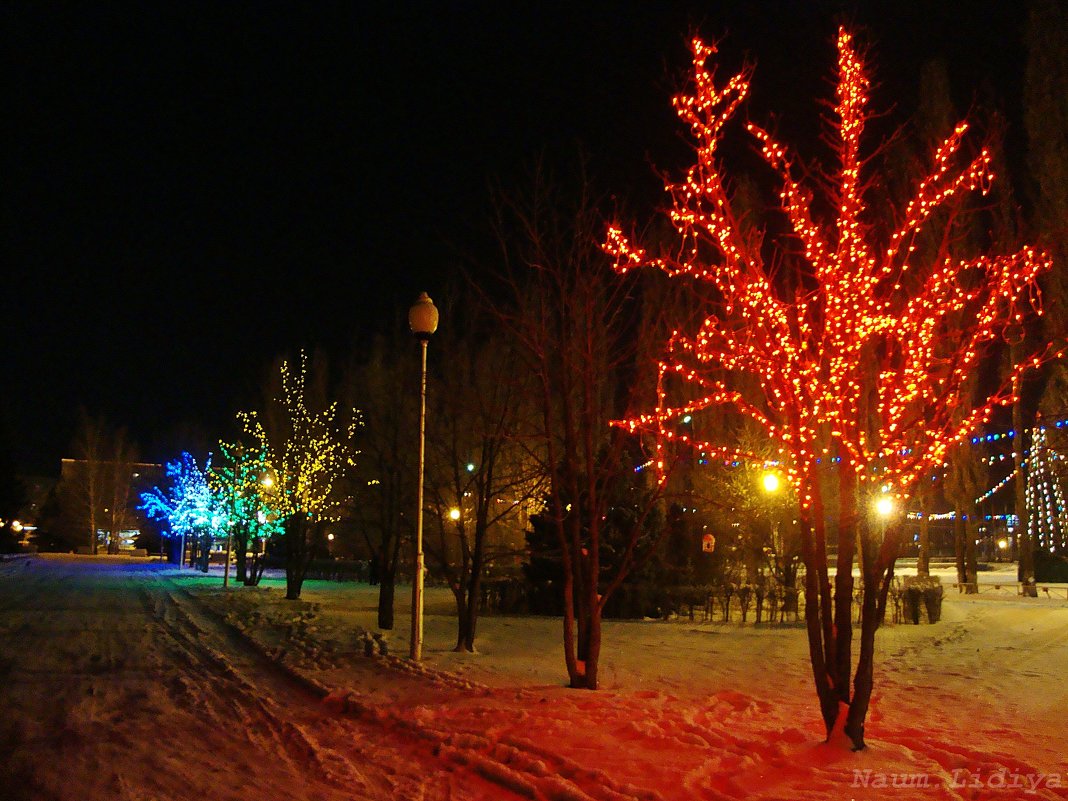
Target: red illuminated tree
<point x="836" y="340"/>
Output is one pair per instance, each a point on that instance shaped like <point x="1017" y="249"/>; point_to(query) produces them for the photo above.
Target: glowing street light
<point x="884" y="506"/>
<point x="423" y="320"/>
<point x="454" y="514"/>
<point x="771" y="482"/>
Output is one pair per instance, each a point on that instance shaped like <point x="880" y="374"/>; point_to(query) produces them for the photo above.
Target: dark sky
<point x="190" y="189"/>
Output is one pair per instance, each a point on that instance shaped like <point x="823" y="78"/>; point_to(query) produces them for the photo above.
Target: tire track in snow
<point x="259" y="718"/>
<point x="515" y="766"/>
<point x="397" y="762"/>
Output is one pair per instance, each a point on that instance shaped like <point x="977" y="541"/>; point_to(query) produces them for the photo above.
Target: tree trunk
<point x="468" y="612"/>
<point x="789" y="586"/>
<point x="923" y="556"/>
<point x="582" y="606"/>
<point x="92" y="530"/>
<point x="848" y="533"/>
<point x="877" y="568"/>
<point x="470" y="627"/>
<point x="386" y="593"/>
<point x="575" y="674"/>
<point x="593" y="648"/>
<point x="474" y="574"/>
<point x="863" y="678"/>
<point x="959" y="535"/>
<point x="298" y="554"/>
<point x="818" y="604"/>
<point x="255" y="569"/>
<point x="257" y="563"/>
<point x="816" y="587"/>
<point x="241" y="560"/>
<point x="461" y="619"/>
<point x="971" y="566"/>
<point x="751" y="557"/>
<point x="863" y="681"/>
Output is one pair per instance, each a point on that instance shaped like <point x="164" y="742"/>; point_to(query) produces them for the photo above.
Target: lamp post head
<point x="423" y="317"/>
<point x="771" y="482"/>
<point x="884" y="506"/>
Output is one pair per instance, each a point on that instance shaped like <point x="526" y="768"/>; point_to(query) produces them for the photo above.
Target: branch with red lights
<point x="865" y="356"/>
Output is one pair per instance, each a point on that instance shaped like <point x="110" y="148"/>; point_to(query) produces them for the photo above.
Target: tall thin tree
<point x="575" y="328"/>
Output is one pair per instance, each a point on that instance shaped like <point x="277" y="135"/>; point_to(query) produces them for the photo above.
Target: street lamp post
<point x="226" y="564"/>
<point x="770" y="480"/>
<point x="884" y="509"/>
<point x="423" y="320"/>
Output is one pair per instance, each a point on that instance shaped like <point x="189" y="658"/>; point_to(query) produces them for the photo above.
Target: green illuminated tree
<point x="242" y="480"/>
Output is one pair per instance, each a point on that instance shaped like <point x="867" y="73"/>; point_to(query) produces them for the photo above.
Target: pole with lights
<point x="423" y="320"/>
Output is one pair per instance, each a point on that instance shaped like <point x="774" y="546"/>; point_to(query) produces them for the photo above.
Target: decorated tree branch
<point x="836" y="339"/>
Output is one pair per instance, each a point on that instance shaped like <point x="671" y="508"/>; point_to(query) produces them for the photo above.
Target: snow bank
<point x="972" y="707"/>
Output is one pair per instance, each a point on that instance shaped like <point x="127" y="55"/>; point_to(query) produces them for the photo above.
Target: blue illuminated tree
<point x="188" y="506"/>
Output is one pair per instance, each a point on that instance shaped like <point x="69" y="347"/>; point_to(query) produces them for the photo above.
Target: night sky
<point x="190" y="189"/>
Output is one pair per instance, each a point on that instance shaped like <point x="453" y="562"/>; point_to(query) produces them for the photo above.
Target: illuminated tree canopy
<point x="188" y="506"/>
<point x="863" y="301"/>
<point x="306" y="451"/>
<point x="242" y="481"/>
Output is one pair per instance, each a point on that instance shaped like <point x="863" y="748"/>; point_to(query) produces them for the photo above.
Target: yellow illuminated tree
<point x="307" y="449"/>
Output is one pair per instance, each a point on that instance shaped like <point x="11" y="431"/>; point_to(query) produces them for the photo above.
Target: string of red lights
<point x="857" y="361"/>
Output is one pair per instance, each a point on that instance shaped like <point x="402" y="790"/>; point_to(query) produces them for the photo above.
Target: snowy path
<point x="136" y="682"/>
<point x="113" y="685"/>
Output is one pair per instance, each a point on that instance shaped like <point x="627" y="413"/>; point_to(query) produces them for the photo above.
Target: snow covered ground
<point x="132" y="680"/>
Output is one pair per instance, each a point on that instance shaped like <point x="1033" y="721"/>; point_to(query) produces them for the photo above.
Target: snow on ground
<point x="154" y="683"/>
